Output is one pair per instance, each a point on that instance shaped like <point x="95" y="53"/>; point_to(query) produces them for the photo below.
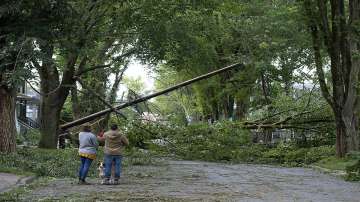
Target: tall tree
<point x="7" y="106"/>
<point x="89" y="30"/>
<point x="20" y="22"/>
<point x="334" y="25"/>
<point x="204" y="37"/>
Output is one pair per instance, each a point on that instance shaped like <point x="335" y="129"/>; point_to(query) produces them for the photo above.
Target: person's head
<point x="114" y="127"/>
<point x="87" y="128"/>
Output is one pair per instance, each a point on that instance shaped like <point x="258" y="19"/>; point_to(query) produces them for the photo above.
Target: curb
<point x="26" y="180"/>
<point x="336" y="173"/>
<point x="21" y="182"/>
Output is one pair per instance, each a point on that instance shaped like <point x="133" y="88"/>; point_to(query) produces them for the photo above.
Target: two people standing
<point x="115" y="141"/>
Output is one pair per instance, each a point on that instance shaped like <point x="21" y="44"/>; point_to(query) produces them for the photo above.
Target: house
<point x="27" y="108"/>
<point x="275" y="136"/>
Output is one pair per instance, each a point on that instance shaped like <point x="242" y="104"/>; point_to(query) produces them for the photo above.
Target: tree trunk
<point x="7" y="120"/>
<point x="54" y="93"/>
<point x="50" y="107"/>
<point x="341" y="146"/>
<point x="49" y="124"/>
<point x="75" y="105"/>
<point x="350" y="129"/>
<point x="215" y="110"/>
<point x="265" y="88"/>
<point x="231" y="107"/>
<point x="268" y="135"/>
<point x="350" y="115"/>
<point x="228" y="107"/>
<point x="50" y="110"/>
<point x="240" y="109"/>
<point x="341" y="41"/>
<point x="225" y="108"/>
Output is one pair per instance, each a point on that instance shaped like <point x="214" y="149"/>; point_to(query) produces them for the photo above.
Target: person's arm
<point x="80" y="140"/>
<point x="124" y="140"/>
<point x="94" y="141"/>
<point x="101" y="139"/>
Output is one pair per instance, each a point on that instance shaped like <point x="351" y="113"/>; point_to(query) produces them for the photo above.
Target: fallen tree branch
<point x="109" y="105"/>
<point x="270" y="116"/>
<point x="99" y="97"/>
<point x="283" y="125"/>
<point x="142" y="99"/>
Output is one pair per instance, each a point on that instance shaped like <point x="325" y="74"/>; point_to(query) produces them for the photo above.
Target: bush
<point x="228" y="141"/>
<point x="353" y="171"/>
<point x="29" y="138"/>
<point x="277" y="154"/>
<point x="217" y="142"/>
<point x="315" y="154"/>
<point x="292" y="155"/>
<point x="250" y="153"/>
<point x="295" y="157"/>
<point x="140" y="134"/>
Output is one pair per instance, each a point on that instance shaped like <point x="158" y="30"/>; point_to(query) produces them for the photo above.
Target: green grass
<point x="62" y="162"/>
<point x="42" y="162"/>
<point x="16" y="171"/>
<point x="334" y="163"/>
<point x="350" y="164"/>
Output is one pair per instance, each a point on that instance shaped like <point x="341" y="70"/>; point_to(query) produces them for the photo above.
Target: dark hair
<point x="114" y="127"/>
<point x="86" y="128"/>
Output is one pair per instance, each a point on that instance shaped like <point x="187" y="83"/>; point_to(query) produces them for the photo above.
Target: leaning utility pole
<point x="142" y="99"/>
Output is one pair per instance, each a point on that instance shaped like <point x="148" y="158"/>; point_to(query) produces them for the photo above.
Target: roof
<point x="21" y="96"/>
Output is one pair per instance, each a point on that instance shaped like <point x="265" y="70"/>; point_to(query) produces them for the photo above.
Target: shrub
<point x="217" y="142"/>
<point x="228" y="141"/>
<point x="353" y="171"/>
<point x="140" y="134"/>
<point x="277" y="154"/>
<point x="29" y="138"/>
<point x="295" y="157"/>
<point x="250" y="153"/>
<point x="315" y="154"/>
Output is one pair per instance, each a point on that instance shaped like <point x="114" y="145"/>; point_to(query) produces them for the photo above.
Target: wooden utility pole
<point x="142" y="99"/>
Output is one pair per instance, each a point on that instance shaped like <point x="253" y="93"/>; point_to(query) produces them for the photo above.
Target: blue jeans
<point x="84" y="168"/>
<point x="109" y="159"/>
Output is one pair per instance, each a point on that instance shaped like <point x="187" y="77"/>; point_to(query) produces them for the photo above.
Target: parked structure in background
<point x="277" y="135"/>
<point x="286" y="135"/>
<point x="27" y="109"/>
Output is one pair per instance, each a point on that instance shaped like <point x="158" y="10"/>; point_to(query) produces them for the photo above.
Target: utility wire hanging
<point x="142" y="99"/>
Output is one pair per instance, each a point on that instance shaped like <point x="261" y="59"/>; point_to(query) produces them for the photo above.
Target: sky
<point x="135" y="70"/>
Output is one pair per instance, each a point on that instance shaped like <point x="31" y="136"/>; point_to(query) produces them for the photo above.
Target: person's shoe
<point x="83" y="182"/>
<point x="106" y="181"/>
<point x="116" y="182"/>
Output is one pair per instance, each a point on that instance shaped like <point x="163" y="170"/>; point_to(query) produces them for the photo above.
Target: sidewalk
<point x="8" y="181"/>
